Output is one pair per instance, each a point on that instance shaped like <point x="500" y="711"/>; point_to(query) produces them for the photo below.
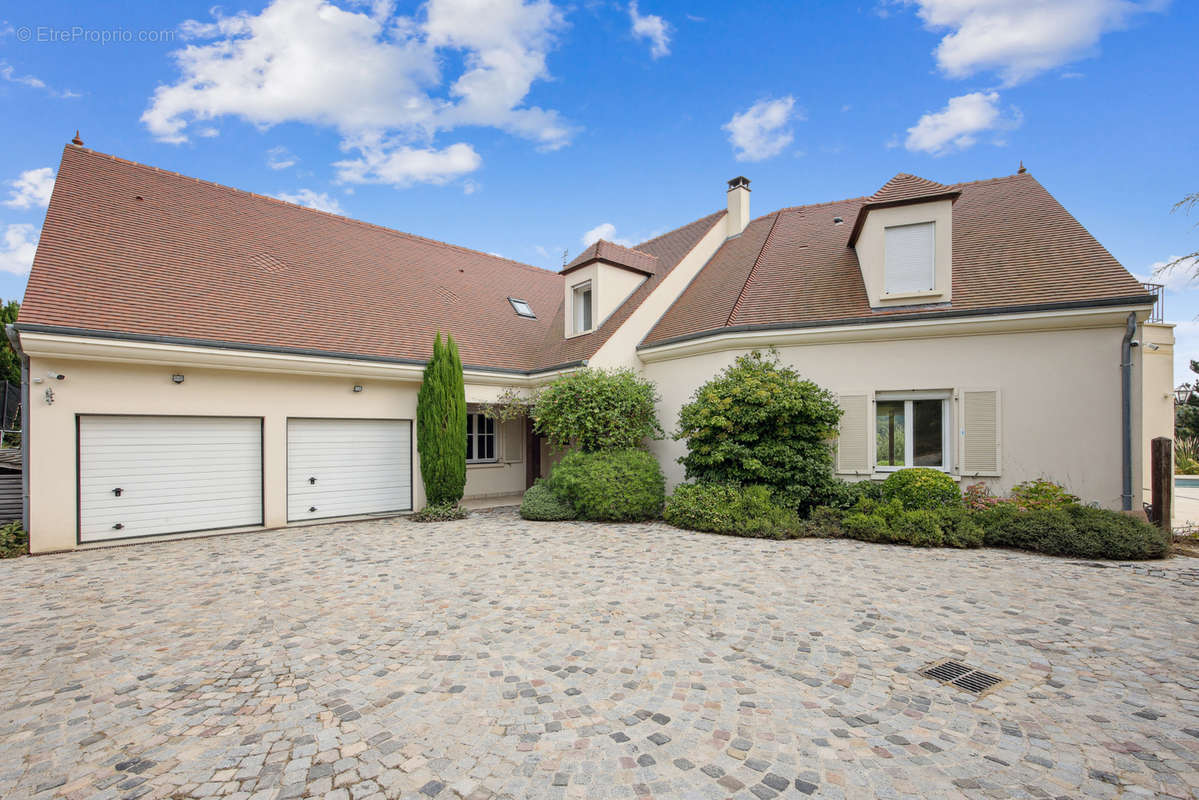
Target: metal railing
<point x="1159" y="301"/>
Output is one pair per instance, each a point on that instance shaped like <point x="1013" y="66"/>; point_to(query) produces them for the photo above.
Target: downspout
<point x="1126" y="409"/>
<point x="15" y="339"/>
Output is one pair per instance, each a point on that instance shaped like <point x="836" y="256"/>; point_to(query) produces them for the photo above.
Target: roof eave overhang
<point x="1038" y="316"/>
<point x="595" y="260"/>
<point x="868" y="207"/>
<point x="56" y="341"/>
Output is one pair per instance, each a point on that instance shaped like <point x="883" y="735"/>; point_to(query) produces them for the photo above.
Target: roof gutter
<point x="217" y="344"/>
<point x="1146" y="299"/>
<point x="1126" y="345"/>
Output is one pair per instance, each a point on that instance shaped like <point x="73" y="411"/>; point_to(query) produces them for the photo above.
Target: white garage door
<point x="141" y="476"/>
<point x="343" y="467"/>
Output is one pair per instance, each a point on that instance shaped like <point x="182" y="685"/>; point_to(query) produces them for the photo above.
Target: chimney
<point x="738" y="205"/>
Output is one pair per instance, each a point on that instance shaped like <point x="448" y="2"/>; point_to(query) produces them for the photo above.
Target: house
<point x="199" y="358"/>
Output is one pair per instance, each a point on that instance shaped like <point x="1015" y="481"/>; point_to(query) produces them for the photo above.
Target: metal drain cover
<point x="961" y="676"/>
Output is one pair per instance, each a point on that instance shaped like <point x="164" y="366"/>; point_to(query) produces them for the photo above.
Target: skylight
<point x="522" y="308"/>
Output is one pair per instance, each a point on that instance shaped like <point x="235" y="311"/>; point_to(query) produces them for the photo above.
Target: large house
<point x="200" y="358"/>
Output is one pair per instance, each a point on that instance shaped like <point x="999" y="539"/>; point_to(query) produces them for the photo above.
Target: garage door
<point x="142" y="476"/>
<point x="343" y="467"/>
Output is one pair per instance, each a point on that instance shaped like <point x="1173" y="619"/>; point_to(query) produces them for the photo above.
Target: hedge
<point x="613" y="485"/>
<point x="730" y="509"/>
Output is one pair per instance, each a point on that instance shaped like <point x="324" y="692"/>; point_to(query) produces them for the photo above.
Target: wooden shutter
<point x="853" y="443"/>
<point x="909" y="261"/>
<point x="514" y="440"/>
<point x="981" y="446"/>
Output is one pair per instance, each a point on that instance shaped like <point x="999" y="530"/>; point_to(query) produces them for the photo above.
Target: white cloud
<point x="8" y="73"/>
<point x="310" y="198"/>
<point x="280" y="158"/>
<point x="1183" y="275"/>
<point x="1186" y="348"/>
<point x="31" y="189"/>
<point x="369" y="73"/>
<point x="404" y="166"/>
<point x="605" y="230"/>
<point x="17" y="249"/>
<point x="761" y="131"/>
<point x="653" y="28"/>
<point x="1021" y="38"/>
<point x="959" y="124"/>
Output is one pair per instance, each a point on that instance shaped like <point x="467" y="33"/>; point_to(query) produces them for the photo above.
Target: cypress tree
<point x="441" y="425"/>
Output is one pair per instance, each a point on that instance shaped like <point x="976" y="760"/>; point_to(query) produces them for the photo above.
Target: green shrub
<point x="540" y="503"/>
<point x="1185" y="465"/>
<point x="759" y="423"/>
<point x="867" y="527"/>
<point x="959" y="527"/>
<point x="13" y="540"/>
<point x="922" y="488"/>
<point x="825" y="522"/>
<point x="736" y="510"/>
<point x="439" y="512"/>
<point x="594" y="409"/>
<point x="615" y="485"/>
<point x="846" y="494"/>
<point x="1075" y="531"/>
<point x="919" y="527"/>
<point x="441" y="425"/>
<point x="1041" y="493"/>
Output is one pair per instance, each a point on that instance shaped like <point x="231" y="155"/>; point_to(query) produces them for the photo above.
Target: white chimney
<point x="738" y="205"/>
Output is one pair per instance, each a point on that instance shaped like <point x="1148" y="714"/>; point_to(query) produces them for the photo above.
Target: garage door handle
<point x="312" y="480"/>
<point x="311" y="509"/>
<point x="117" y="491"/>
<point x="118" y="527"/>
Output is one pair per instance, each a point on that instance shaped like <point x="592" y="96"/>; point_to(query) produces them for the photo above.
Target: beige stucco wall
<point x="1060" y="395"/>
<point x="872" y="251"/>
<point x="610" y="287"/>
<point x="98" y="387"/>
<point x="1157" y="388"/>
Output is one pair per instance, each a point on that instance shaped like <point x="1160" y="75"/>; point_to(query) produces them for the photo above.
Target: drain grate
<point x="960" y="675"/>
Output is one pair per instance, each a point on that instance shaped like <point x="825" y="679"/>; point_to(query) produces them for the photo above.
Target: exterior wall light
<point x="177" y="378"/>
<point x="357" y="388"/>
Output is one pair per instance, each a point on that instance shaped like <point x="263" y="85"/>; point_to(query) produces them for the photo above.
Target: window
<point x="910" y="265"/>
<point x="480" y="439"/>
<point x="911" y="431"/>
<point x="582" y="307"/>
<point x="522" y="308"/>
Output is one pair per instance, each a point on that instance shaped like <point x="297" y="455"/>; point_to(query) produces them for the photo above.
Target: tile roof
<point x="1013" y="245"/>
<point x="627" y="257"/>
<point x="904" y="187"/>
<point x="132" y="249"/>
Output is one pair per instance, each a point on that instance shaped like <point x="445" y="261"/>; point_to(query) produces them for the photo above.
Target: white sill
<point x="484" y="464"/>
<point x="882" y="473"/>
<point x="912" y="295"/>
<point x="580" y="333"/>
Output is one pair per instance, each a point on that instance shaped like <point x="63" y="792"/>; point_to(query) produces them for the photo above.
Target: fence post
<point x="1162" y="482"/>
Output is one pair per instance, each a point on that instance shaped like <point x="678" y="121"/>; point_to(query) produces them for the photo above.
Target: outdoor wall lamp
<point x="177" y="378"/>
<point x="357" y="388"/>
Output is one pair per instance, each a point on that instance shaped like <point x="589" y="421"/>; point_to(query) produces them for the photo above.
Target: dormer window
<point x="582" y="307"/>
<point x="522" y="308"/>
<point x="910" y="258"/>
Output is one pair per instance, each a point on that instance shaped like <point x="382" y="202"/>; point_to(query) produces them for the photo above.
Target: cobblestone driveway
<point x="497" y="657"/>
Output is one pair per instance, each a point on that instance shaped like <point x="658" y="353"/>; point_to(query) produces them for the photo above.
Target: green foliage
<point x="441" y="425"/>
<point x="1041" y="493"/>
<point x="959" y="527"/>
<point x="867" y="527"/>
<point x="919" y="527"/>
<point x="10" y="362"/>
<point x="13" y="540"/>
<point x="442" y="512"/>
<point x="736" y="510"/>
<point x="510" y="405"/>
<point x="1075" y="531"/>
<point x="759" y="423"/>
<point x="540" y="503"/>
<point x="616" y="485"/>
<point x="825" y="522"/>
<point x="1185" y="464"/>
<point x="922" y="488"/>
<point x="594" y="409"/>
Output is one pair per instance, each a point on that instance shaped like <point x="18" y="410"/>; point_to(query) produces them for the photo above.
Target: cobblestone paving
<point x="497" y="658"/>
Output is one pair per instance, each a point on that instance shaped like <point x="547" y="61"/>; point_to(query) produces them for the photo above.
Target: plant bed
<point x="441" y="512"/>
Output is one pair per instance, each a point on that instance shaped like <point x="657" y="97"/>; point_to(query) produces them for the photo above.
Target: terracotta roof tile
<point x="613" y="253"/>
<point x="1013" y="245"/>
<point x="905" y="187"/>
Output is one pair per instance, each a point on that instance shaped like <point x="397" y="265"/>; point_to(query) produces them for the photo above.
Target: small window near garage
<point x="911" y="431"/>
<point x="522" y="308"/>
<point x="480" y="439"/>
<point x="582" y="307"/>
<point x="910" y="259"/>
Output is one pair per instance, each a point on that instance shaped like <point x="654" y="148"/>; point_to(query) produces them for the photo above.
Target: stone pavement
<point x="497" y="658"/>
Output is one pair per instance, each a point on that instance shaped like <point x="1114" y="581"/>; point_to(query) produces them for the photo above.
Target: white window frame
<point x="474" y="437"/>
<point x="522" y="308"/>
<point x="887" y="262"/>
<point x="946" y="398"/>
<point x="577" y="293"/>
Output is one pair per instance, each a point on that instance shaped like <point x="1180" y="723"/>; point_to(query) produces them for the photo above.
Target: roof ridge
<point x="757" y="260"/>
<point x="679" y="228"/>
<point x="623" y="247"/>
<point x="330" y="214"/>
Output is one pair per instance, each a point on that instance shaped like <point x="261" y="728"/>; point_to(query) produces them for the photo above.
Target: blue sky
<point x="521" y="127"/>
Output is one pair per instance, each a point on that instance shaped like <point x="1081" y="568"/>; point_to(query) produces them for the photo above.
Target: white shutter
<point x="853" y="443"/>
<point x="910" y="263"/>
<point x="514" y="440"/>
<point x="981" y="445"/>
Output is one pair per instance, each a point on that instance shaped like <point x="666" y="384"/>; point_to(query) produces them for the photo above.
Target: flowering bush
<point x="1026" y="496"/>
